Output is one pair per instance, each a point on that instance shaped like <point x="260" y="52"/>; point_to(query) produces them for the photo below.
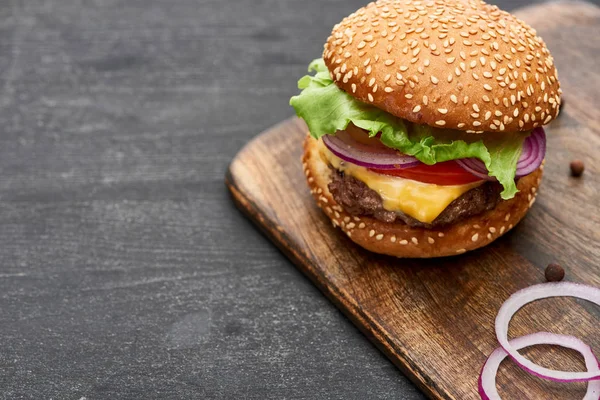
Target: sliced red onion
<point x="475" y="167"/>
<point x="350" y="150"/>
<point x="487" y="378"/>
<point x="534" y="151"/>
<point x="533" y="293"/>
<point x="537" y="141"/>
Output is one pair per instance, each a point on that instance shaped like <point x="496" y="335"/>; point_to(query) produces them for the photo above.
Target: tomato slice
<point x="444" y="173"/>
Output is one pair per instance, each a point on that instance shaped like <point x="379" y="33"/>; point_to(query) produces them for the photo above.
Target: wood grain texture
<point x="434" y="318"/>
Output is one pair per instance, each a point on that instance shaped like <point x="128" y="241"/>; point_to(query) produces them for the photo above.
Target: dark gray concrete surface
<point x="125" y="270"/>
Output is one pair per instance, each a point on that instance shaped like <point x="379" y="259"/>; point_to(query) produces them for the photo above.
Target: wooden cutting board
<point x="434" y="318"/>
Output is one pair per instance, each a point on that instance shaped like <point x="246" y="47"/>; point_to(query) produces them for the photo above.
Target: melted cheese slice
<point x="422" y="201"/>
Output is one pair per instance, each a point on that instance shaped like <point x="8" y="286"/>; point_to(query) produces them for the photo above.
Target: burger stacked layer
<point x="425" y="122"/>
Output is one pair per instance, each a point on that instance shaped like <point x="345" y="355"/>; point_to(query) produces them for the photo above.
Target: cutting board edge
<point x="304" y="264"/>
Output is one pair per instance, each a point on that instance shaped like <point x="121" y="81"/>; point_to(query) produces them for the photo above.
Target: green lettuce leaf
<point x="326" y="109"/>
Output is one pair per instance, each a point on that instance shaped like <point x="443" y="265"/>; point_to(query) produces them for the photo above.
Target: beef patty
<point x="358" y="199"/>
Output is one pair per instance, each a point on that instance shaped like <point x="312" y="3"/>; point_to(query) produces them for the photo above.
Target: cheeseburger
<point x="425" y="125"/>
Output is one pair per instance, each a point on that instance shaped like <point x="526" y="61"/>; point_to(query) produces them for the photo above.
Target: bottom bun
<point x="400" y="240"/>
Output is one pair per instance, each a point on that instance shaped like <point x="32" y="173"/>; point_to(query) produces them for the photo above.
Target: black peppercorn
<point x="554" y="273"/>
<point x="577" y="168"/>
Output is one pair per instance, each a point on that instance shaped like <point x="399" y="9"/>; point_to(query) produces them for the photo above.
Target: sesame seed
<point x="371" y="233"/>
<point x="443" y="110"/>
<point x="487" y="87"/>
<point x="403" y="242"/>
<point x="440" y="234"/>
<point x="354" y="88"/>
<point x="370" y="97"/>
<point x="393" y="239"/>
<point x="461" y="251"/>
<point x="475" y="237"/>
<point x="389" y="62"/>
<point x="379" y="237"/>
<point x="431" y="240"/>
<point x="371" y="82"/>
<point x="414" y="240"/>
<point x="388" y="89"/>
<point x="450" y="60"/>
<point x="425" y="100"/>
<point x="416" y="109"/>
<point x="434" y="80"/>
<point x="441" y="122"/>
<point x="454" y="99"/>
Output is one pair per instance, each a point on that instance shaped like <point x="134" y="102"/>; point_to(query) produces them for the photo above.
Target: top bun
<point x="453" y="64"/>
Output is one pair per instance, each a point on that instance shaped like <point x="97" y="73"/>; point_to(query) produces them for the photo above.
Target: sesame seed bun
<point x="400" y="240"/>
<point x="453" y="64"/>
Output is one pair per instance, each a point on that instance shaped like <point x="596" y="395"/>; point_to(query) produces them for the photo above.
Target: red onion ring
<point x="475" y="167"/>
<point x="526" y="165"/>
<point x="487" y="378"/>
<point x="528" y="295"/>
<point x="534" y="151"/>
<point x="350" y="150"/>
